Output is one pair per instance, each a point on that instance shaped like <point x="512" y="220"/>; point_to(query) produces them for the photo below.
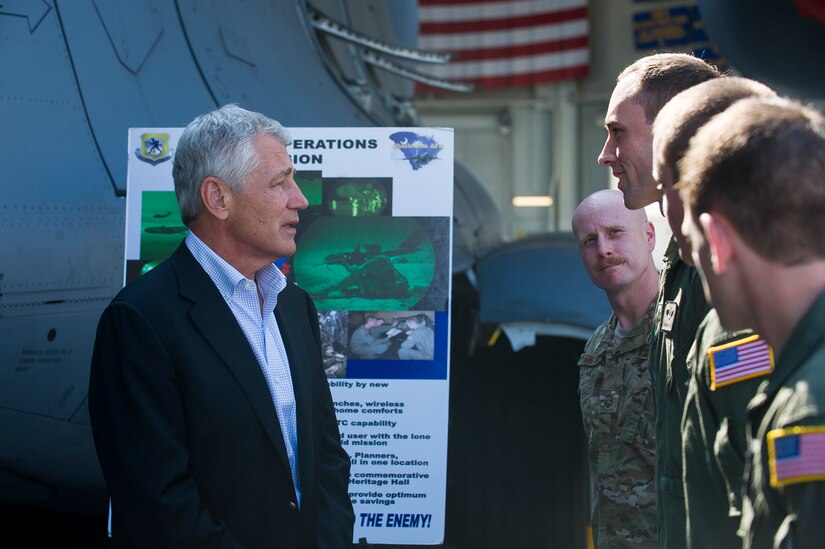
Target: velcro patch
<point x="796" y="454"/>
<point x="608" y="401"/>
<point x="669" y="315"/>
<point x="739" y="360"/>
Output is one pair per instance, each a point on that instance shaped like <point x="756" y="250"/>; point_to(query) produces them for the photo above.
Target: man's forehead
<point x="623" y="93"/>
<point x="596" y="219"/>
<point x="628" y="114"/>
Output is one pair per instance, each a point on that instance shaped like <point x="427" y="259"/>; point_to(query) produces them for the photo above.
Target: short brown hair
<point x="659" y="77"/>
<point x="691" y="109"/>
<point x="761" y="164"/>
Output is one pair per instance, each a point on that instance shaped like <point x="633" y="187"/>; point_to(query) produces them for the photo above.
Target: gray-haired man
<point x="210" y="409"/>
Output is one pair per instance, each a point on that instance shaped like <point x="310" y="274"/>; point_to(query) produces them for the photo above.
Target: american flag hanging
<point x="506" y="44"/>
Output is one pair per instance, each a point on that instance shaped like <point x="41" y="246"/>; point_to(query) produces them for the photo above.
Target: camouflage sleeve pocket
<point x="637" y="418"/>
<point x="587" y="380"/>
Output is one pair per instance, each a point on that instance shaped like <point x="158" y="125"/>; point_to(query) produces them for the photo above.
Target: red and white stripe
<point x="506" y="43"/>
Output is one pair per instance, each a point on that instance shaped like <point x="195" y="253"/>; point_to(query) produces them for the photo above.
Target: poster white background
<point x="395" y="430"/>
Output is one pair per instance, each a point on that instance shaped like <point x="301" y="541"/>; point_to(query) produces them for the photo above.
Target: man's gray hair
<point x="219" y="144"/>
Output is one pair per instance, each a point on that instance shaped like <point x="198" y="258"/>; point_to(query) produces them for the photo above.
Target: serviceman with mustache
<point x="614" y="378"/>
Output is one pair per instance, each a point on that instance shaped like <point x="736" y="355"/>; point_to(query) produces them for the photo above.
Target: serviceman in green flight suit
<point x="642" y="89"/>
<point x="754" y="193"/>
<point x="721" y="383"/>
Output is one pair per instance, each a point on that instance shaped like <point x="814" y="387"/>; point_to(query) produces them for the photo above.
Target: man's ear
<point x="216" y="197"/>
<point x="650" y="236"/>
<point x="720" y="240"/>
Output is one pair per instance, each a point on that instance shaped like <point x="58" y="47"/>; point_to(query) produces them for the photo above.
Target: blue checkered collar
<point x="227" y="278"/>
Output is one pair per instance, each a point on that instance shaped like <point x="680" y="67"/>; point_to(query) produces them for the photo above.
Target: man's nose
<point x="608" y="154"/>
<point x="297" y="201"/>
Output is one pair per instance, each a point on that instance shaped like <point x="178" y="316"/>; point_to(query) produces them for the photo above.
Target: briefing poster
<point x="374" y="251"/>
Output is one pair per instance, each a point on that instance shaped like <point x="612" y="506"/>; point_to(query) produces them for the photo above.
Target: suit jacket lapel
<point x="292" y="323"/>
<point x="213" y="318"/>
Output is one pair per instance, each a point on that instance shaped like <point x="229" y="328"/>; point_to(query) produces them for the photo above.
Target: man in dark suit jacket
<point x="211" y="413"/>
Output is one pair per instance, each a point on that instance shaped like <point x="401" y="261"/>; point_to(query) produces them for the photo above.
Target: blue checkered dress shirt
<point x="261" y="330"/>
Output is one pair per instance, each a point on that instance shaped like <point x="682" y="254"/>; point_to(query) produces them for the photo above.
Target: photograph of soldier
<point x="374" y="263"/>
<point x="392" y="335"/>
<point x="369" y="340"/>
<point x="419" y="340"/>
<point x="351" y="197"/>
<point x="333" y="325"/>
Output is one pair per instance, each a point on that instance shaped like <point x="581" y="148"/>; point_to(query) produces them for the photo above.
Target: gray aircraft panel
<point x="477" y="226"/>
<point x="539" y="279"/>
<point x="238" y="56"/>
<point x="60" y="226"/>
<point x="395" y="24"/>
<point x="31" y="463"/>
<point x="40" y="355"/>
<point x="159" y="85"/>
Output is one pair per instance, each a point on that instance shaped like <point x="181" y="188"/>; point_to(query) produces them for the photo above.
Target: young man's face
<point x="373" y="322"/>
<point x="719" y="283"/>
<point x="699" y="250"/>
<point x="628" y="148"/>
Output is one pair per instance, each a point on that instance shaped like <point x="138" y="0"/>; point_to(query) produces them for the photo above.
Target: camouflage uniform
<point x="617" y="409"/>
<point x="713" y="442"/>
<point x="790" y="513"/>
<point x="681" y="307"/>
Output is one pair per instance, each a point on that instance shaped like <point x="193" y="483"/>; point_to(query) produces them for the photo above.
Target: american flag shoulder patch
<point x="739" y="360"/>
<point x="796" y="454"/>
